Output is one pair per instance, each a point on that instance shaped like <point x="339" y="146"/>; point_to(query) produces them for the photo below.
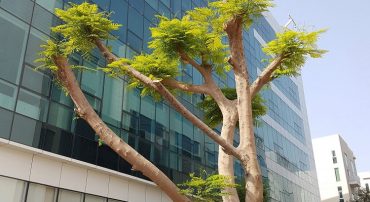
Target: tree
<point x="197" y="39"/>
<point x="363" y="195"/>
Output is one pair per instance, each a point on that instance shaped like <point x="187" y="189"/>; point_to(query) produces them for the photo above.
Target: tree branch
<point x="187" y="59"/>
<point x="125" y="151"/>
<point x="265" y="76"/>
<point x="158" y="86"/>
<point x="172" y="83"/>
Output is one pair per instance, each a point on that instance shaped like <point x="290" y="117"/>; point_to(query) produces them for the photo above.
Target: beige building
<point x="336" y="169"/>
<point x="365" y="179"/>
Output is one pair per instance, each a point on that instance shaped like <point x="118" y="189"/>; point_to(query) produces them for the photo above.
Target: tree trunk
<point x="225" y="161"/>
<point x="247" y="146"/>
<point x="86" y="112"/>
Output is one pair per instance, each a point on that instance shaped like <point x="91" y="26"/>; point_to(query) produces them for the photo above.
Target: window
<point x="12" y="190"/>
<point x="345" y="159"/>
<point x="334" y="157"/>
<point x="26" y="131"/>
<point x="13" y="37"/>
<point x="36" y="81"/>
<point x="8" y="92"/>
<point x="91" y="198"/>
<point x="60" y="116"/>
<point x="367" y="187"/>
<point x="337" y="176"/>
<point x="69" y="196"/>
<point x="37" y="193"/>
<point x="5" y="123"/>
<point x="112" y="101"/>
<point x="32" y="105"/>
<point x="340" y="192"/>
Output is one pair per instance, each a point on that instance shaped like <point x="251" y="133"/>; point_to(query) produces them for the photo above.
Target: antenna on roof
<point x="291" y="20"/>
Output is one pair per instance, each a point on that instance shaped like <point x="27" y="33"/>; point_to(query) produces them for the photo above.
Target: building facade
<point x="365" y="179"/>
<point x="47" y="154"/>
<point x="336" y="169"/>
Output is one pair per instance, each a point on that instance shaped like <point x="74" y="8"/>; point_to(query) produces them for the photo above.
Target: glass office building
<point x="40" y="134"/>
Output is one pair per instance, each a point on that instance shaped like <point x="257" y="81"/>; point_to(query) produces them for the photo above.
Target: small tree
<point x="196" y="39"/>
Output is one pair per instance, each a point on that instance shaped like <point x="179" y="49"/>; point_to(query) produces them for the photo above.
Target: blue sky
<point x="337" y="87"/>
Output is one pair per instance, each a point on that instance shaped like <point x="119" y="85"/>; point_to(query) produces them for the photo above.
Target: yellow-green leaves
<point x="246" y="9"/>
<point x="197" y="34"/>
<point x="50" y="50"/>
<point x="295" y="47"/>
<point x="82" y="25"/>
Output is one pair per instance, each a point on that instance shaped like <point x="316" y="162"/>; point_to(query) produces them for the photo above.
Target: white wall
<point x="30" y="164"/>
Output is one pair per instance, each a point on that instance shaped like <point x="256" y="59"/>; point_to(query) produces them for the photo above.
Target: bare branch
<point x="187" y="59"/>
<point x="172" y="83"/>
<point x="265" y="76"/>
<point x="125" y="151"/>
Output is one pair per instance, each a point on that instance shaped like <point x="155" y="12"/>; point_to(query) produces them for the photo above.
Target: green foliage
<point x="206" y="188"/>
<point x="213" y="115"/>
<point x="246" y="9"/>
<point x="295" y="47"/>
<point x="196" y="34"/>
<point x="82" y="25"/>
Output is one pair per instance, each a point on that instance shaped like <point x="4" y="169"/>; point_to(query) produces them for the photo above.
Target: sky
<point x="337" y="86"/>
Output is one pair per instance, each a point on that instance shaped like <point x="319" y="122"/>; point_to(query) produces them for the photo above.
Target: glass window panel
<point x="12" y="190"/>
<point x="131" y="100"/>
<point x="43" y="19"/>
<point x="113" y="200"/>
<point x="32" y="105"/>
<point x="92" y="81"/>
<point x="41" y="193"/>
<point x="69" y="196"/>
<point x="118" y="48"/>
<point x="36" y="38"/>
<point x="13" y="38"/>
<point x="166" y="2"/>
<point x="60" y="116"/>
<point x="107" y="157"/>
<point x="59" y="96"/>
<point x="112" y="101"/>
<point x="135" y="22"/>
<point x="57" y="141"/>
<point x="153" y="3"/>
<point x="119" y="15"/>
<point x="5" y="123"/>
<point x="8" y="92"/>
<point x="20" y="8"/>
<point x="138" y="4"/>
<point x="134" y="42"/>
<point x="84" y="149"/>
<point x="130" y="123"/>
<point x="91" y="198"/>
<point x="163" y="115"/>
<point x="50" y="5"/>
<point x="26" y="131"/>
<point x="36" y="81"/>
<point x="83" y="129"/>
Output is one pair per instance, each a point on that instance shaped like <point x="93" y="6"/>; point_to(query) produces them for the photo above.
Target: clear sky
<point x="337" y="87"/>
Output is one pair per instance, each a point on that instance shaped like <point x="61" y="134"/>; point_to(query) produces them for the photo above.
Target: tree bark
<point x="247" y="146"/>
<point x="86" y="112"/>
<point x="225" y="161"/>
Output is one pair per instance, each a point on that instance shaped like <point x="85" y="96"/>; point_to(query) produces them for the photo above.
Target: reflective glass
<point x="112" y="101"/>
<point x="32" y="105"/>
<point x="91" y="198"/>
<point x="36" y="38"/>
<point x="50" y="5"/>
<point x="41" y="193"/>
<point x="69" y="196"/>
<point x="56" y="140"/>
<point x="43" y="19"/>
<point x="135" y="22"/>
<point x="60" y="116"/>
<point x="26" y="131"/>
<point x="12" y="190"/>
<point x="13" y="38"/>
<point x="20" y="8"/>
<point x="8" y="92"/>
<point x="36" y="81"/>
<point x="5" y="123"/>
<point x="92" y="81"/>
<point x="84" y="149"/>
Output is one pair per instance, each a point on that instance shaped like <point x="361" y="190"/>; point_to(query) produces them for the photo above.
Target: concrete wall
<point x="34" y="165"/>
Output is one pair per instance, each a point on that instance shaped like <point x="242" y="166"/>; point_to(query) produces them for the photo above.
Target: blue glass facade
<point x="34" y="112"/>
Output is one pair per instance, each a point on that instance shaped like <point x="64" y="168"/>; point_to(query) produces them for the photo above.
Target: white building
<point x="365" y="179"/>
<point x="336" y="169"/>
